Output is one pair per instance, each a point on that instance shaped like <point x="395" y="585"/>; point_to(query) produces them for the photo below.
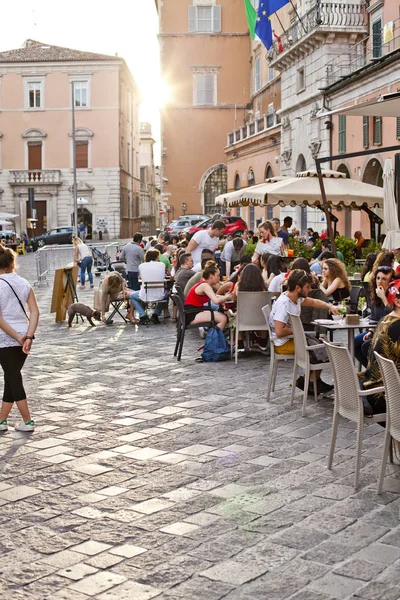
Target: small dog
<point x="82" y="309"/>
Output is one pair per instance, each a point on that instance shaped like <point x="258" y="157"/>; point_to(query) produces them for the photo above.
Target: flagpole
<point x="280" y="23"/>
<point x="298" y="16"/>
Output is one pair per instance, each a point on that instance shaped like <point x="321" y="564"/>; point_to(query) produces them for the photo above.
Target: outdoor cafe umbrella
<point x="392" y="239"/>
<point x="234" y="198"/>
<point x="304" y="189"/>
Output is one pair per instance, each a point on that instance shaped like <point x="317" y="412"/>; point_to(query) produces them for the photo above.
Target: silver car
<point x="176" y="227"/>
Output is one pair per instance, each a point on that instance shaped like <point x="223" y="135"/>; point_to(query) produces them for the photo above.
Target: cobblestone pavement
<point x="151" y="479"/>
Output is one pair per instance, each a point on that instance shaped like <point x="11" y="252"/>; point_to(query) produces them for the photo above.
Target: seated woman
<point x="385" y="341"/>
<point x="269" y="242"/>
<point x="378" y="286"/>
<point x="113" y="288"/>
<point x="367" y="268"/>
<point x="197" y="300"/>
<point x="334" y="280"/>
<point x="250" y="280"/>
<point x="263" y="263"/>
<point x="275" y="267"/>
<point x="384" y="259"/>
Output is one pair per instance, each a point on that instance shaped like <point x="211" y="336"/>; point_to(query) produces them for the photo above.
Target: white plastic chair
<point x="302" y="353"/>
<point x="274" y="357"/>
<point x="348" y="400"/>
<point x="249" y="315"/>
<point x="391" y="382"/>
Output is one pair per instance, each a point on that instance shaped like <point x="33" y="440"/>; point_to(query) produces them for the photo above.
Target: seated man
<point x="290" y="303"/>
<point x="317" y="266"/>
<point x="151" y="270"/>
<point x="163" y="259"/>
<point x="206" y="253"/>
<point x="186" y="270"/>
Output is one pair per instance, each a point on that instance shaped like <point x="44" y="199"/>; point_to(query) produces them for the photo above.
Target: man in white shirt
<point x="290" y="303"/>
<point x="150" y="271"/>
<point x="231" y="254"/>
<point x="208" y="238"/>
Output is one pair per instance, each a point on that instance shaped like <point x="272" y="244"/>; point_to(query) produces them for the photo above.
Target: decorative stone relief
<point x="315" y="148"/>
<point x="285" y="122"/>
<point x="287" y="155"/>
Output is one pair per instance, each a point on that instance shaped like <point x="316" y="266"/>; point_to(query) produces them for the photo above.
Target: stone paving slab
<point x="147" y="478"/>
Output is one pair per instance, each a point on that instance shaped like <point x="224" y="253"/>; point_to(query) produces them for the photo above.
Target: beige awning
<point x="231" y="199"/>
<point x="387" y="105"/>
<point x="304" y="190"/>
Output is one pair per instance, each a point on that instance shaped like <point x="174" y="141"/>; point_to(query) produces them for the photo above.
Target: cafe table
<point x="343" y="326"/>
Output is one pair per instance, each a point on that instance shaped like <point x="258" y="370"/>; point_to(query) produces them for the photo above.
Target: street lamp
<point x="184" y="208"/>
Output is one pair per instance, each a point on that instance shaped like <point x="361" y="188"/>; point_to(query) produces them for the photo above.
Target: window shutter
<point x="365" y="132"/>
<point x="216" y="12"/>
<point x="199" y="90"/>
<point x="81" y="154"/>
<point x="209" y="89"/>
<point x="377" y="39"/>
<point x="377" y="131"/>
<point x="398" y="128"/>
<point x="342" y="134"/>
<point x="192" y="19"/>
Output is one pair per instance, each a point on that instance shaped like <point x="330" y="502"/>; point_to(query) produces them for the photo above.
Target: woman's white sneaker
<point x="3" y="425"/>
<point x="29" y="426"/>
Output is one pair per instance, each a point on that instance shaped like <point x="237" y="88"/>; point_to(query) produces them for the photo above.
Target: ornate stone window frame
<point x="34" y="79"/>
<point x="34" y="135"/>
<point x="82" y="134"/>
<point x="79" y="79"/>
<point x="205" y="70"/>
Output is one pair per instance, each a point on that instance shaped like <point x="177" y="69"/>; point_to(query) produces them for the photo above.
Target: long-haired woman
<point x="17" y="332"/>
<point x="335" y="282"/>
<point x="269" y="242"/>
<point x="83" y="257"/>
<point x="367" y="268"/>
<point x="196" y="303"/>
<point x="251" y="280"/>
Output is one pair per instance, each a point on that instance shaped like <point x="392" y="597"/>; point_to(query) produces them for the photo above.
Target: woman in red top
<point x="196" y="302"/>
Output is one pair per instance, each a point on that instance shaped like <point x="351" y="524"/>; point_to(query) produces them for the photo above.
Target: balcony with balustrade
<point x="25" y="177"/>
<point x="266" y="124"/>
<point x="369" y="51"/>
<point x="325" y="18"/>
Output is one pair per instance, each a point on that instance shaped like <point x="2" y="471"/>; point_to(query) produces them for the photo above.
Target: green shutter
<point x="365" y="132"/>
<point x="342" y="134"/>
<point x="398" y="128"/>
<point x="377" y="131"/>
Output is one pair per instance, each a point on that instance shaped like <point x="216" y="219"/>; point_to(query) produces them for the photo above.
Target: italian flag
<point x="251" y="15"/>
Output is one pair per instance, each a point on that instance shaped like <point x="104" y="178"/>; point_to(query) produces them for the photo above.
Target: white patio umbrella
<point x="390" y="217"/>
<point x="304" y="190"/>
<point x="4" y="215"/>
<point x="234" y="198"/>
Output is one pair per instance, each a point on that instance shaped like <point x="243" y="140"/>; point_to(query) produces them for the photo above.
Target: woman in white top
<point x="269" y="242"/>
<point x="83" y="257"/>
<point x="16" y="336"/>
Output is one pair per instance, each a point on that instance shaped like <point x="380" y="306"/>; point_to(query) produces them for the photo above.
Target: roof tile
<point x="34" y="51"/>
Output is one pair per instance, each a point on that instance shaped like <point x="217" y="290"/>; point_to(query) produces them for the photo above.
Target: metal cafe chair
<point x="391" y="381"/>
<point x="348" y="400"/>
<point x="181" y="326"/>
<point x="274" y="357"/>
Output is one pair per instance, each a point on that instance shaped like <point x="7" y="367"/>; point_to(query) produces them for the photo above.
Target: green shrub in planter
<point x="250" y="249"/>
<point x="346" y="246"/>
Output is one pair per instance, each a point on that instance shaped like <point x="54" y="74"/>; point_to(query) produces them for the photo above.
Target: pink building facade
<point x="36" y="148"/>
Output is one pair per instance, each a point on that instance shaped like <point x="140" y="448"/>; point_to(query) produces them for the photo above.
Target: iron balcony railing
<point x="35" y="177"/>
<point x="368" y="51"/>
<point x="323" y="16"/>
<point x="258" y="126"/>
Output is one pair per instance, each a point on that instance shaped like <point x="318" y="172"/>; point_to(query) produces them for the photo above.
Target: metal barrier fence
<point x="51" y="258"/>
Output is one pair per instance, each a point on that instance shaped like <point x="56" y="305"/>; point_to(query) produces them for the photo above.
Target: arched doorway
<point x="237" y="182"/>
<point x="236" y="211"/>
<point x="300" y="167"/>
<point x="373" y="173"/>
<point x="214" y="183"/>
<point x="343" y="169"/>
<point x="251" y="181"/>
<point x="268" y="172"/>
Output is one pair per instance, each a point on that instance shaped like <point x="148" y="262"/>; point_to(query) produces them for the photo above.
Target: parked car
<point x="60" y="235"/>
<point x="6" y="233"/>
<point x="176" y="227"/>
<point x="233" y="225"/>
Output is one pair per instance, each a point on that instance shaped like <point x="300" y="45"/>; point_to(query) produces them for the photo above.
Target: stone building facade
<point x="36" y="139"/>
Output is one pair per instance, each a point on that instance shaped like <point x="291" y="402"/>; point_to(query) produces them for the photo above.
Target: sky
<point x="128" y="27"/>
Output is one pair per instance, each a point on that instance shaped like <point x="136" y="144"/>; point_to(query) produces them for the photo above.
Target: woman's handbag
<point x="97" y="305"/>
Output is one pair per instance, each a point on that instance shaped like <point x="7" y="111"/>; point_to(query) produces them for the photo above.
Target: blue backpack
<point x="216" y="347"/>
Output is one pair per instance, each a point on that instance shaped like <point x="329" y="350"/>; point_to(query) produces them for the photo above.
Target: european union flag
<point x="263" y="27"/>
<point x="275" y="5"/>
